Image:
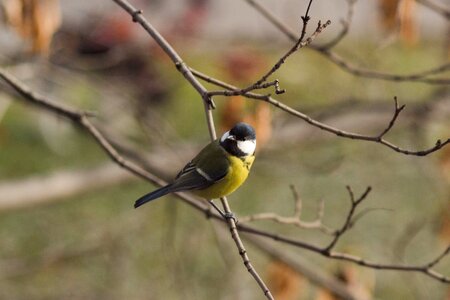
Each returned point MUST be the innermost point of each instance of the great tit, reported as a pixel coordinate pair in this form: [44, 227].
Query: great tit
[218, 170]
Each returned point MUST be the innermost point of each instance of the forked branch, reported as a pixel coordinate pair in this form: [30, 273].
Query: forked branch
[349, 221]
[81, 119]
[295, 219]
[208, 104]
[300, 43]
[231, 90]
[423, 76]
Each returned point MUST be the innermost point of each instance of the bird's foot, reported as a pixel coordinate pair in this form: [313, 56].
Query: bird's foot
[225, 215]
[230, 215]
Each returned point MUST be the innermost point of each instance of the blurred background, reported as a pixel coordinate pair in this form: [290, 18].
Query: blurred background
[68, 229]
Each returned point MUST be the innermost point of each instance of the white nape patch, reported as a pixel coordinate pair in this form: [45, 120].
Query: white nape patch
[224, 136]
[247, 147]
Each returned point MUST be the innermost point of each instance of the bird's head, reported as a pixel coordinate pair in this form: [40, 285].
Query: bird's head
[240, 140]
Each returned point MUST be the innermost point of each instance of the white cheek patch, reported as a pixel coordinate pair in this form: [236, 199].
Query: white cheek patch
[247, 147]
[224, 136]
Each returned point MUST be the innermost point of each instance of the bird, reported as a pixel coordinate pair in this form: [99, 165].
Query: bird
[218, 169]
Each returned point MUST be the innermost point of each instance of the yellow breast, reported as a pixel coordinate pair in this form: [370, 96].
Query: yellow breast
[237, 174]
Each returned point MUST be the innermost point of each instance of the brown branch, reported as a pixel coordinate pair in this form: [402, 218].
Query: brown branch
[425, 269]
[397, 111]
[438, 258]
[80, 118]
[341, 133]
[208, 106]
[300, 43]
[349, 220]
[259, 84]
[295, 219]
[345, 27]
[367, 73]
[348, 67]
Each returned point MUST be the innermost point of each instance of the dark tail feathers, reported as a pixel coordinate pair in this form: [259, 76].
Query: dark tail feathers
[153, 195]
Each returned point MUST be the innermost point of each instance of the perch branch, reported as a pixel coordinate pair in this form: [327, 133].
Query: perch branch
[230, 89]
[182, 67]
[80, 118]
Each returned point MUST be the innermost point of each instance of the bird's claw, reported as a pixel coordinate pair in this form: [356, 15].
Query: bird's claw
[225, 215]
[230, 215]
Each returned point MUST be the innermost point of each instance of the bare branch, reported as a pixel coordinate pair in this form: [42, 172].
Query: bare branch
[345, 27]
[298, 45]
[348, 222]
[295, 219]
[349, 258]
[232, 90]
[348, 67]
[259, 84]
[397, 111]
[80, 118]
[367, 73]
[439, 258]
[208, 106]
[181, 66]
[77, 116]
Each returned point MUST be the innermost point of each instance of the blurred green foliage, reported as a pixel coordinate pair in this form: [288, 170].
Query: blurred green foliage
[96, 246]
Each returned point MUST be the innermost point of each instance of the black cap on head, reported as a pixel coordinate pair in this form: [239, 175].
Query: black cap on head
[240, 140]
[243, 132]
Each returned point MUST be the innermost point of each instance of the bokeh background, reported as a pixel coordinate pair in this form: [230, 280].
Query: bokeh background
[68, 229]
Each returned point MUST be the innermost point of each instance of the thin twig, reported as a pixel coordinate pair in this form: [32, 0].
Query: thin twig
[341, 133]
[347, 257]
[345, 27]
[76, 116]
[345, 65]
[298, 45]
[138, 17]
[348, 221]
[397, 111]
[259, 84]
[295, 219]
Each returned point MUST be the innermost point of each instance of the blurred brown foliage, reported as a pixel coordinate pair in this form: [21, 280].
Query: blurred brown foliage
[360, 286]
[400, 15]
[245, 65]
[284, 282]
[34, 20]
